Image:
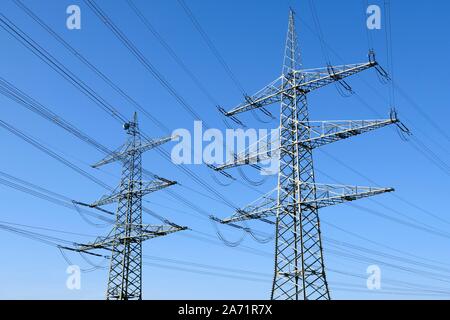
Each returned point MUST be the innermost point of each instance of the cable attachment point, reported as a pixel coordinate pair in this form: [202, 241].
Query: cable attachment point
[224, 112]
[393, 114]
[383, 74]
[341, 84]
[257, 105]
[404, 131]
[331, 72]
[371, 56]
[229, 176]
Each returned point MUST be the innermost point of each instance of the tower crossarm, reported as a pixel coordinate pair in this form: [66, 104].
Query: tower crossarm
[125, 151]
[266, 96]
[259, 151]
[260, 213]
[325, 132]
[260, 208]
[137, 233]
[145, 188]
[303, 81]
[312, 79]
[245, 159]
[331, 194]
[321, 133]
[326, 195]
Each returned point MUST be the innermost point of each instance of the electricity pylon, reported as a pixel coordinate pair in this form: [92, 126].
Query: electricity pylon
[125, 239]
[299, 265]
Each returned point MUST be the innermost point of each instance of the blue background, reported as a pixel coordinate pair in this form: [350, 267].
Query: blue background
[250, 35]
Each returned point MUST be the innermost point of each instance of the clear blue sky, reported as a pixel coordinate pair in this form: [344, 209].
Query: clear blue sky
[250, 36]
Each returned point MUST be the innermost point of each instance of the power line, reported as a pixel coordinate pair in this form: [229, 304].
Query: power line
[417, 107]
[90, 65]
[47, 195]
[140, 57]
[389, 54]
[171, 52]
[255, 276]
[382, 245]
[398, 258]
[47, 229]
[374, 90]
[52, 154]
[211, 45]
[23, 99]
[12, 92]
[221, 60]
[49, 240]
[52, 62]
[364, 259]
[414, 286]
[416, 223]
[395, 195]
[69, 164]
[56, 242]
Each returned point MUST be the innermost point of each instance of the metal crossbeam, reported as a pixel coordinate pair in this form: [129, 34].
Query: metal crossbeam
[138, 233]
[325, 132]
[300, 81]
[326, 195]
[127, 150]
[247, 159]
[146, 188]
[309, 80]
[321, 133]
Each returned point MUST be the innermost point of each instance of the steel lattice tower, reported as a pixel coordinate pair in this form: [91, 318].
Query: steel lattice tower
[299, 265]
[298, 241]
[125, 239]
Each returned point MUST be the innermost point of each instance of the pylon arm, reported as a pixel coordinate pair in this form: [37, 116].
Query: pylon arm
[257, 152]
[138, 233]
[242, 215]
[325, 132]
[312, 79]
[331, 194]
[120, 155]
[303, 81]
[248, 159]
[327, 195]
[321, 132]
[147, 187]
[266, 96]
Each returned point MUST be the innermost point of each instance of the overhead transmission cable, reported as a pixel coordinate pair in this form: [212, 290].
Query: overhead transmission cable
[426, 117]
[220, 59]
[211, 45]
[51, 61]
[90, 65]
[230, 272]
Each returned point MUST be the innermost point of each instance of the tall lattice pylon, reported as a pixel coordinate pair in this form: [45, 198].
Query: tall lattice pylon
[299, 264]
[125, 239]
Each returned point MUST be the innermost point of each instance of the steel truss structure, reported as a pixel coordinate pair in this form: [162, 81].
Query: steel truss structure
[299, 265]
[125, 239]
